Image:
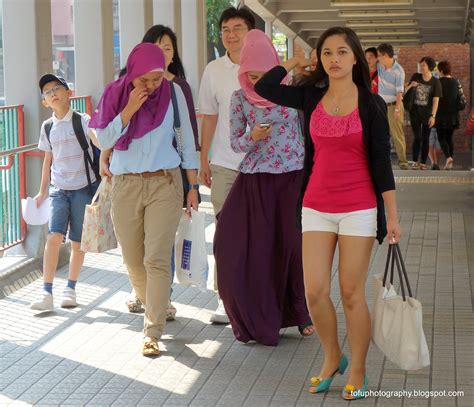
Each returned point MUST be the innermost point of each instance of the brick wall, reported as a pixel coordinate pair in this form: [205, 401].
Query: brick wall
[459, 57]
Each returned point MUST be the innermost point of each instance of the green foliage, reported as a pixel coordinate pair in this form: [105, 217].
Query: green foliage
[214, 9]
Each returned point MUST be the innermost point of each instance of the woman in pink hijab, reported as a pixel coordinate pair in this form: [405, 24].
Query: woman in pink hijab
[135, 118]
[257, 245]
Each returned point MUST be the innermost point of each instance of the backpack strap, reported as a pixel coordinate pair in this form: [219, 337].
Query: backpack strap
[177, 124]
[48, 125]
[82, 140]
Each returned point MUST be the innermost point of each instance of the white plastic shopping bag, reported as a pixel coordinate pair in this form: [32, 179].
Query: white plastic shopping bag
[190, 250]
[397, 323]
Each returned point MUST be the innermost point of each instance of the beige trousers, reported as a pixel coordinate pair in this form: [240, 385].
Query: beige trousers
[146, 213]
[222, 181]
[397, 133]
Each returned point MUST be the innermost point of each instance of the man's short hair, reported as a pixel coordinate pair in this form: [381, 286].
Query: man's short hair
[445, 67]
[239, 12]
[429, 61]
[386, 48]
[371, 50]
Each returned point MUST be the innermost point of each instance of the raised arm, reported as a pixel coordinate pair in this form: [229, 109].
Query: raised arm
[270, 87]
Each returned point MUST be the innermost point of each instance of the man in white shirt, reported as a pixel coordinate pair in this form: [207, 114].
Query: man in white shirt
[218, 83]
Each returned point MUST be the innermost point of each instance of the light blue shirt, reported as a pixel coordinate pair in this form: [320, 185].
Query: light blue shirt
[154, 151]
[391, 81]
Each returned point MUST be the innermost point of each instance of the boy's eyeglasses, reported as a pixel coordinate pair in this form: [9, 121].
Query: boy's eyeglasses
[52, 91]
[235, 30]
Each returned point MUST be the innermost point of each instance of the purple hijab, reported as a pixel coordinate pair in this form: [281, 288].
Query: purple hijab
[144, 58]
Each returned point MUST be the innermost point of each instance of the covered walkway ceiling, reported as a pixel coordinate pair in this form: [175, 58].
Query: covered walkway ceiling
[400, 22]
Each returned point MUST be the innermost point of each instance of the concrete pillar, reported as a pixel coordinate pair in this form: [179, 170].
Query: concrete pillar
[135, 18]
[269, 28]
[168, 12]
[194, 41]
[291, 47]
[94, 48]
[26, 56]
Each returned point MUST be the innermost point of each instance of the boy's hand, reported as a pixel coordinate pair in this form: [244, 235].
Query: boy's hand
[137, 97]
[40, 198]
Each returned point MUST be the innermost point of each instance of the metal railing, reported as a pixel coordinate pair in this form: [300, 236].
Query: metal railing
[12, 169]
[82, 104]
[12, 176]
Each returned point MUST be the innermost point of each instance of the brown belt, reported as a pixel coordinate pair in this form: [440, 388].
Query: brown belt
[148, 174]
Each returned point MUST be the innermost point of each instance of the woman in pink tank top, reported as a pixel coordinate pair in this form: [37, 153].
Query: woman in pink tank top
[348, 181]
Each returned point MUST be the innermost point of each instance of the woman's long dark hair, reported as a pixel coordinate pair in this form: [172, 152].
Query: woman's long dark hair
[360, 71]
[154, 35]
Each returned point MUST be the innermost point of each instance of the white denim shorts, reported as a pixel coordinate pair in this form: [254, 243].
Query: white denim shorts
[358, 223]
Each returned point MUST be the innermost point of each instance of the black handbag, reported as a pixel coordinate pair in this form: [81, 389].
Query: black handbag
[409, 96]
[178, 136]
[409, 99]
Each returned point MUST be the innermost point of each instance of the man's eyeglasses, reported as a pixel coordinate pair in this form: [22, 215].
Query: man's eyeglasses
[235, 30]
[52, 91]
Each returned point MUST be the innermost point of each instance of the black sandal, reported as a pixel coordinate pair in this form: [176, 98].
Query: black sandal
[301, 328]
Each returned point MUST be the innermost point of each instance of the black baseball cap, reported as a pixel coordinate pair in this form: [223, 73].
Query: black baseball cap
[49, 77]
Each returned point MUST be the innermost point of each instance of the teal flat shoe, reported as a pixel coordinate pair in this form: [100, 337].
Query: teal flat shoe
[318, 384]
[351, 393]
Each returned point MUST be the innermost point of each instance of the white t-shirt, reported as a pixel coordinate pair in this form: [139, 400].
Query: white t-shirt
[219, 81]
[68, 171]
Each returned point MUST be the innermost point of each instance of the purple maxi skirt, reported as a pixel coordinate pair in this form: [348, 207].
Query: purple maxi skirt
[258, 250]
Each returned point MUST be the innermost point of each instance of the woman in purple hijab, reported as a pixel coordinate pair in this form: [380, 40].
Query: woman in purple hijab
[135, 117]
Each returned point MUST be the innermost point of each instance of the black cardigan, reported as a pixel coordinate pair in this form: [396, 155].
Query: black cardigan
[376, 132]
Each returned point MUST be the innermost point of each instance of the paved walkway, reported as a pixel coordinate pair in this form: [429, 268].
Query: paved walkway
[90, 355]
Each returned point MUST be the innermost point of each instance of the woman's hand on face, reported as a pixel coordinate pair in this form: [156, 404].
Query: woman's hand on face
[192, 200]
[137, 97]
[260, 133]
[394, 232]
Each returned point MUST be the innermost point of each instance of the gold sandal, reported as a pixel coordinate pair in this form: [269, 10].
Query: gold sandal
[150, 346]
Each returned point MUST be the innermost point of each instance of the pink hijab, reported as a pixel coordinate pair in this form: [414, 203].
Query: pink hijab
[144, 58]
[257, 54]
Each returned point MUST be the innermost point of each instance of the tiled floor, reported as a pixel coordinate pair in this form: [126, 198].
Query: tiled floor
[90, 355]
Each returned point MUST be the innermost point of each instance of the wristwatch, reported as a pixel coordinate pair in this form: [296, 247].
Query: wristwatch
[397, 110]
[433, 116]
[194, 186]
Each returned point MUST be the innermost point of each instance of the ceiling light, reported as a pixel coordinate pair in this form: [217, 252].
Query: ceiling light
[381, 23]
[377, 14]
[369, 3]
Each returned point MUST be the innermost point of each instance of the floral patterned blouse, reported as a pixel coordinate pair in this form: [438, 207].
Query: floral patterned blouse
[282, 151]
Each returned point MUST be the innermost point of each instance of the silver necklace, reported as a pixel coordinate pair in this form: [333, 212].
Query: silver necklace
[335, 110]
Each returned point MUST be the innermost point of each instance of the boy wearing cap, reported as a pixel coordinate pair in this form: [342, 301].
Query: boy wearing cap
[71, 186]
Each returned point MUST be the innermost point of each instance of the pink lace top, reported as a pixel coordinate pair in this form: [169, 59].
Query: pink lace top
[340, 180]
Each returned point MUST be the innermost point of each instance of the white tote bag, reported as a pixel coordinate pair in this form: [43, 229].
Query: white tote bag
[190, 250]
[397, 323]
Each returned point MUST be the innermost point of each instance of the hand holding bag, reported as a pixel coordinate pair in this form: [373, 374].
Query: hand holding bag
[98, 234]
[397, 324]
[190, 250]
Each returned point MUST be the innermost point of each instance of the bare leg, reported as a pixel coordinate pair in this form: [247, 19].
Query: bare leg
[76, 261]
[354, 258]
[51, 256]
[318, 253]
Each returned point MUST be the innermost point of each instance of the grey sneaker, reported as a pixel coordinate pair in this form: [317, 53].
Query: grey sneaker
[68, 299]
[220, 316]
[44, 302]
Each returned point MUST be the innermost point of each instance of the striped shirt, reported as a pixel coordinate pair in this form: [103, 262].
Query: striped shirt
[68, 171]
[391, 81]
